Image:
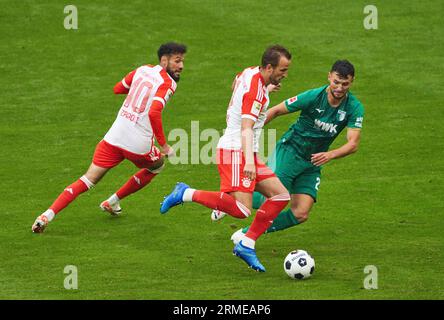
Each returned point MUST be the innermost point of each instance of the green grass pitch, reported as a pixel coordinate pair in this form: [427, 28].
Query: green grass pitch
[383, 206]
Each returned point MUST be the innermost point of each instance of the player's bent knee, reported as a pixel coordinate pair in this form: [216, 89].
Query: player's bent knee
[246, 211]
[157, 170]
[301, 216]
[157, 166]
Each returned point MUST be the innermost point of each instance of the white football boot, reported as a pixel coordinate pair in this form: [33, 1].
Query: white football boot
[217, 215]
[237, 236]
[113, 210]
[40, 224]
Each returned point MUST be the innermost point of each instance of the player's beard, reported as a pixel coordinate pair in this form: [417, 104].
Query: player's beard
[274, 81]
[339, 97]
[172, 75]
[335, 96]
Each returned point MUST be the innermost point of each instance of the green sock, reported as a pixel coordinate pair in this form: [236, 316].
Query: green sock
[258, 200]
[284, 220]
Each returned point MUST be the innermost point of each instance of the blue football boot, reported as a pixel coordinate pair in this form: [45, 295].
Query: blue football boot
[174, 198]
[249, 256]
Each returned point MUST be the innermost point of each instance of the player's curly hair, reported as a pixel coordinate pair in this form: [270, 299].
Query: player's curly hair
[171, 48]
[343, 68]
[273, 54]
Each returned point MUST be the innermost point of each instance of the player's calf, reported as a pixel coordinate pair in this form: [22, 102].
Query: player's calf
[68, 195]
[266, 214]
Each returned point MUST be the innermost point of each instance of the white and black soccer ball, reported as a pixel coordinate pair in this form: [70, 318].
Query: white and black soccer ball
[298, 264]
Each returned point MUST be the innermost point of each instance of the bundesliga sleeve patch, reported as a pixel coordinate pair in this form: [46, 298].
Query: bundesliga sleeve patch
[168, 95]
[292, 100]
[256, 108]
[358, 122]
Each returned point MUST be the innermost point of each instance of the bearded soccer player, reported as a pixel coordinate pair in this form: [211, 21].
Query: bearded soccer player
[303, 149]
[132, 134]
[240, 169]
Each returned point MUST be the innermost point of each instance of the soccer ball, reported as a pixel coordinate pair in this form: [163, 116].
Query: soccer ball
[298, 264]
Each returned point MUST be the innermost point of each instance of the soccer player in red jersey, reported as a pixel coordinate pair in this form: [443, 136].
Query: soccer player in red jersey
[240, 169]
[132, 134]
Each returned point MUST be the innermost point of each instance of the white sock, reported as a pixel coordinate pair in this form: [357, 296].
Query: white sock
[188, 195]
[247, 242]
[49, 214]
[113, 199]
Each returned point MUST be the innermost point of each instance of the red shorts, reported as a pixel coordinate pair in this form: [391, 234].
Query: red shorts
[109, 156]
[230, 164]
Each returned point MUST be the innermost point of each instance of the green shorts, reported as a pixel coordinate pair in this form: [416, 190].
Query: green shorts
[296, 174]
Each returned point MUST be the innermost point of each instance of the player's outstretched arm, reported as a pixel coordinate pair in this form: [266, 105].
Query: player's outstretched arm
[276, 111]
[353, 137]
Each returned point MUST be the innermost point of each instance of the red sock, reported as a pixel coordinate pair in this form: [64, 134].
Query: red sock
[135, 183]
[69, 194]
[265, 215]
[221, 201]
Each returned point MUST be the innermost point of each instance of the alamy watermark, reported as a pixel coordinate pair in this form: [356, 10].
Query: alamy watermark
[200, 147]
[71, 281]
[371, 20]
[371, 280]
[71, 21]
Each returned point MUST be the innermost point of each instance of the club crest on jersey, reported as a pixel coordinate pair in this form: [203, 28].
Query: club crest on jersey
[246, 182]
[292, 100]
[341, 115]
[256, 108]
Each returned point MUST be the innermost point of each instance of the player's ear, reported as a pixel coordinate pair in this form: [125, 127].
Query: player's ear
[269, 68]
[164, 61]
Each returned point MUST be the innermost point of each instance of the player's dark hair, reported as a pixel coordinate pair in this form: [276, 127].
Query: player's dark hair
[343, 68]
[273, 54]
[171, 48]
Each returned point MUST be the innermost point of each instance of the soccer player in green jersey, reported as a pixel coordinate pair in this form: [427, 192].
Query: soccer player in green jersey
[303, 149]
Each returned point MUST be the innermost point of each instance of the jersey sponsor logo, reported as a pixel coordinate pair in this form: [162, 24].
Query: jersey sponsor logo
[324, 126]
[256, 108]
[341, 115]
[292, 100]
[358, 122]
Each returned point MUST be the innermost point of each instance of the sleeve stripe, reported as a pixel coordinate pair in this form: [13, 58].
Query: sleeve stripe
[249, 116]
[124, 83]
[259, 91]
[161, 100]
